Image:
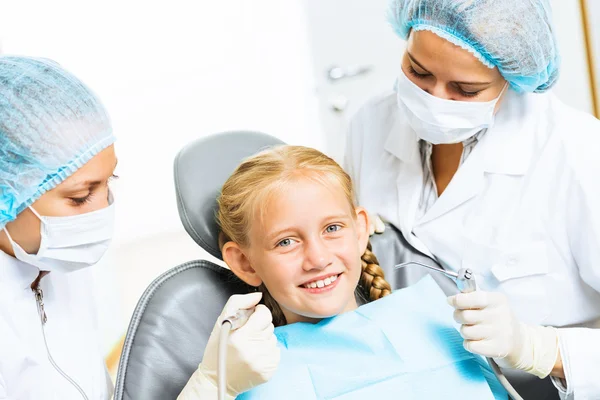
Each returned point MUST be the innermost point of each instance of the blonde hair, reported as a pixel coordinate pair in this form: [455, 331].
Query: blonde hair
[264, 174]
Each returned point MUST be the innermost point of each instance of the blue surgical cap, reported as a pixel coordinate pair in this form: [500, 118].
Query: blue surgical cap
[514, 35]
[51, 124]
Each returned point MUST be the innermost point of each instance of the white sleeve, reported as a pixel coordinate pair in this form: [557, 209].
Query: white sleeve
[3, 395]
[581, 362]
[580, 347]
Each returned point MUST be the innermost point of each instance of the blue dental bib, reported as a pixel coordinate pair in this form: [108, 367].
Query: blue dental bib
[405, 345]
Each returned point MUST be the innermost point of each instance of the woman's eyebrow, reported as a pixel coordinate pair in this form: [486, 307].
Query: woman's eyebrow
[473, 83]
[89, 184]
[457, 82]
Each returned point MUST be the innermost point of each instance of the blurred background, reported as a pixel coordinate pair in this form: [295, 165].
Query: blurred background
[171, 72]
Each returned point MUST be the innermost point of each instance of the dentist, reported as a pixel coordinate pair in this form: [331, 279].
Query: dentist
[56, 220]
[480, 166]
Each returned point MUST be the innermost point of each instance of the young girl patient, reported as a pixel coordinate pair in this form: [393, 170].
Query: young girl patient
[291, 229]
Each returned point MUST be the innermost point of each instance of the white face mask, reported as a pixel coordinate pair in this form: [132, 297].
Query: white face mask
[440, 121]
[70, 243]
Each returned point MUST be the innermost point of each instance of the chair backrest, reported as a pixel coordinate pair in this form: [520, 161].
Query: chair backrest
[175, 316]
[170, 328]
[201, 168]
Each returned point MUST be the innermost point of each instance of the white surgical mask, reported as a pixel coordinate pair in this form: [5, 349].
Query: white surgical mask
[70, 243]
[440, 121]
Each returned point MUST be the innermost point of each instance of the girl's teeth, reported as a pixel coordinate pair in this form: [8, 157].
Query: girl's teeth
[321, 283]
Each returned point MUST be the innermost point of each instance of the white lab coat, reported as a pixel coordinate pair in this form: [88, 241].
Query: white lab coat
[72, 336]
[523, 211]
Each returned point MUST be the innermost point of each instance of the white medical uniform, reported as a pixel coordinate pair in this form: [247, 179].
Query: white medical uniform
[523, 211]
[26, 373]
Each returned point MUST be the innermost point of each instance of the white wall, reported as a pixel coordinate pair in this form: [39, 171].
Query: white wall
[169, 72]
[593, 8]
[573, 87]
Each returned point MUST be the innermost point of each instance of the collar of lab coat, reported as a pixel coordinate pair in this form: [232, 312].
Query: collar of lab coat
[15, 274]
[508, 145]
[402, 141]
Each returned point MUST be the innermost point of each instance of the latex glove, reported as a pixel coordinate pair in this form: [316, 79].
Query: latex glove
[376, 225]
[490, 329]
[252, 353]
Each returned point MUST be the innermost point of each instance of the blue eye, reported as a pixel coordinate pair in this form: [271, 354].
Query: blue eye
[284, 243]
[333, 228]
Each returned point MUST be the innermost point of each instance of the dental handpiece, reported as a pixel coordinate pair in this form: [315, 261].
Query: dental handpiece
[464, 278]
[230, 323]
[465, 281]
[238, 318]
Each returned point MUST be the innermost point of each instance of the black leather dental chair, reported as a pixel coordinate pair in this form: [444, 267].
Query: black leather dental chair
[172, 322]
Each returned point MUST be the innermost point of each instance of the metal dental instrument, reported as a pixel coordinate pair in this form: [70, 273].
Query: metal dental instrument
[465, 281]
[229, 324]
[464, 278]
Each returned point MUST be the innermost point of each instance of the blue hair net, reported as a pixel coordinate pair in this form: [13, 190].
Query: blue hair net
[514, 35]
[51, 124]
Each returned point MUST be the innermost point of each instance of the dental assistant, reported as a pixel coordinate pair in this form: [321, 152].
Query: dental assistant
[481, 166]
[56, 220]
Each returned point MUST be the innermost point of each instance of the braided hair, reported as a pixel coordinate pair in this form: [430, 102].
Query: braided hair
[372, 280]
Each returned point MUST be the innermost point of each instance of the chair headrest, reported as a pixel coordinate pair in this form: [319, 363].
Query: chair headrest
[201, 169]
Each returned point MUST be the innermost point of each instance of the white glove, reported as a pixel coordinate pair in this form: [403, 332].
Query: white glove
[491, 330]
[376, 225]
[252, 353]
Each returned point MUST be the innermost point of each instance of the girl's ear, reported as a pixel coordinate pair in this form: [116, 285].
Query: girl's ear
[362, 227]
[238, 262]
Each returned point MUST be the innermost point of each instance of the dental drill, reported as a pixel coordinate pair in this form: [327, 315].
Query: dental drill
[465, 281]
[229, 324]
